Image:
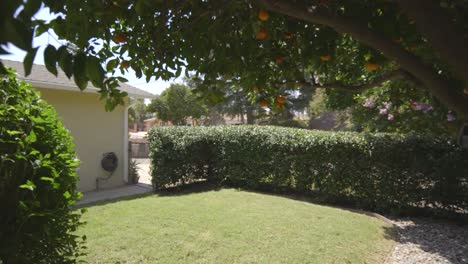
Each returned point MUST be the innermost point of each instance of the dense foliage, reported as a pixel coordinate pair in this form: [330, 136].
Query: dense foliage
[397, 107]
[37, 179]
[350, 45]
[137, 112]
[391, 107]
[225, 99]
[176, 104]
[378, 171]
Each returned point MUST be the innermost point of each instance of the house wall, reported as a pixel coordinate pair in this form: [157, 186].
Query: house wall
[95, 132]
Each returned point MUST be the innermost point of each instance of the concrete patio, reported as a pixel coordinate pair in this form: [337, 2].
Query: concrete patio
[126, 191]
[121, 192]
[144, 170]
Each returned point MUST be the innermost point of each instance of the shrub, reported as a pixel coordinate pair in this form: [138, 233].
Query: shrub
[133, 171]
[38, 180]
[384, 172]
[289, 123]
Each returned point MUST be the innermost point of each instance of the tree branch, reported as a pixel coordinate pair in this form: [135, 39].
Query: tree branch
[392, 75]
[432, 81]
[444, 35]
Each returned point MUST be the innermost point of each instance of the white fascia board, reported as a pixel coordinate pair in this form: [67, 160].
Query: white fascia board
[60, 86]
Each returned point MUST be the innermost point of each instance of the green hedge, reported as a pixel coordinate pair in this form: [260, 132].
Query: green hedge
[37, 180]
[377, 171]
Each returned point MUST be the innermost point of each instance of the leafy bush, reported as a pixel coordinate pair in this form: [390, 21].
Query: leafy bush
[289, 123]
[133, 171]
[394, 107]
[384, 172]
[37, 180]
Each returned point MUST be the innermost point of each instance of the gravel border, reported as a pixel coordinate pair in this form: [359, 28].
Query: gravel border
[427, 241]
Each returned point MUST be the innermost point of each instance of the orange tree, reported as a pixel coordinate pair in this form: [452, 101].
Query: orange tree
[350, 45]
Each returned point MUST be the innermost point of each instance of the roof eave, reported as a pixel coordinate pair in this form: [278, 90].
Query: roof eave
[72, 88]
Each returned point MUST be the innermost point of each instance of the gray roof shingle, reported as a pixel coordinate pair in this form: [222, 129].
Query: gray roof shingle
[40, 74]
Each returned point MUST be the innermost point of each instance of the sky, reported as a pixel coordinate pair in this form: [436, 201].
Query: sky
[154, 86]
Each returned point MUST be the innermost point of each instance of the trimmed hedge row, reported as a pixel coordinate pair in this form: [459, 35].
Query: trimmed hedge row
[383, 172]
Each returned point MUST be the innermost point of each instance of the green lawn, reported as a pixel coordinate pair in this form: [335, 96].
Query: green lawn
[231, 226]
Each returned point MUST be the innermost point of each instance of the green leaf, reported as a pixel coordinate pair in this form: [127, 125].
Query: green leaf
[28, 185]
[65, 61]
[50, 59]
[140, 7]
[79, 71]
[14, 132]
[122, 79]
[179, 70]
[3, 52]
[31, 138]
[67, 195]
[2, 68]
[112, 64]
[41, 27]
[31, 7]
[138, 72]
[49, 179]
[37, 120]
[34, 152]
[95, 72]
[28, 61]
[17, 33]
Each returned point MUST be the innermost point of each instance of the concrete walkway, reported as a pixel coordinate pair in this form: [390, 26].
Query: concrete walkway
[144, 170]
[126, 191]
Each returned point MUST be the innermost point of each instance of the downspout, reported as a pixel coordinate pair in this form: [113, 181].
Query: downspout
[125, 142]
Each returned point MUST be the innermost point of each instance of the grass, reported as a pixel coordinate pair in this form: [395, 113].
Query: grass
[231, 226]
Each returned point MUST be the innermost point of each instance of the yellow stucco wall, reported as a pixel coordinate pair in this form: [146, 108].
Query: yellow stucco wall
[95, 132]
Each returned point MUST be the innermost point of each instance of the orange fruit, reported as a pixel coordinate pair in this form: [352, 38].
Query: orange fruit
[264, 103]
[372, 66]
[281, 100]
[278, 60]
[262, 33]
[263, 15]
[325, 57]
[120, 38]
[288, 36]
[124, 64]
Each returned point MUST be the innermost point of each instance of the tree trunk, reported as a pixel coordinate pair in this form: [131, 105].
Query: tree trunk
[242, 117]
[444, 35]
[250, 116]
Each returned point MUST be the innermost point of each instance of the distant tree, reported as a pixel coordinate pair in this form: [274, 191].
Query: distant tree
[176, 104]
[225, 97]
[391, 107]
[137, 112]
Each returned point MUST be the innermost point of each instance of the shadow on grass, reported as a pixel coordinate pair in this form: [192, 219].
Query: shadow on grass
[446, 239]
[185, 189]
